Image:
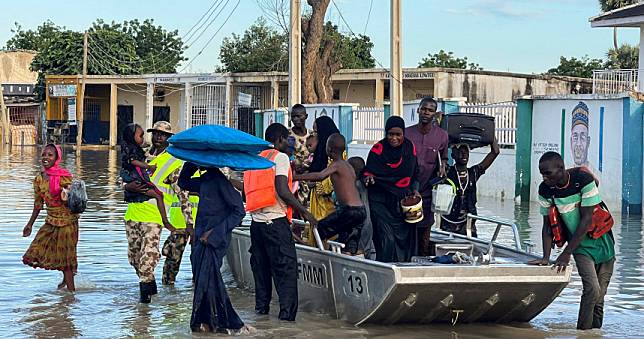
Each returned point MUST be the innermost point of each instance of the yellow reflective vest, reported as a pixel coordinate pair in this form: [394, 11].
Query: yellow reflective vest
[147, 211]
[176, 215]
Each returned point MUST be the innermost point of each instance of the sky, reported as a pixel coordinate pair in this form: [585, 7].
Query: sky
[523, 36]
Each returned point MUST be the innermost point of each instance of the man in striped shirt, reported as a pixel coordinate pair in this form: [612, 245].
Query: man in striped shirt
[575, 194]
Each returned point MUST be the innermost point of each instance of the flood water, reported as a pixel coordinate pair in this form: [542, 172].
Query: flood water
[106, 302]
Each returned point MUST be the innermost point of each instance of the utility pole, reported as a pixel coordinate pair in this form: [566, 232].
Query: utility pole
[295, 55]
[81, 103]
[396, 74]
[6, 125]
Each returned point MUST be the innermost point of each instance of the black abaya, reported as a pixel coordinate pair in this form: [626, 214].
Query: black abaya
[220, 210]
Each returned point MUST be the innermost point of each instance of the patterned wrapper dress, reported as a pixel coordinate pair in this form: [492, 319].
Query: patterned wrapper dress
[54, 247]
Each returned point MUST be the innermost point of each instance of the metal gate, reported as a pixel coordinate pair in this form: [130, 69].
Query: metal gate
[208, 105]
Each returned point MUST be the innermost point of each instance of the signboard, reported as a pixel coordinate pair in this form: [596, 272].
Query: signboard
[62, 90]
[71, 111]
[411, 75]
[244, 99]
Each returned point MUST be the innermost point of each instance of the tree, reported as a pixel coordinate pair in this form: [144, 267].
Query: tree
[263, 48]
[609, 5]
[582, 68]
[128, 48]
[260, 49]
[625, 57]
[447, 60]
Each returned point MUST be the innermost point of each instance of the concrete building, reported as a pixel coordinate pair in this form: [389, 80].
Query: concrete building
[231, 98]
[18, 84]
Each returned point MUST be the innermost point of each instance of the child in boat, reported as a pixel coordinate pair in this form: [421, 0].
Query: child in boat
[135, 169]
[350, 213]
[366, 233]
[311, 144]
[54, 247]
[464, 179]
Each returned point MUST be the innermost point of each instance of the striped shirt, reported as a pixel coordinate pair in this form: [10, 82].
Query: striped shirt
[581, 191]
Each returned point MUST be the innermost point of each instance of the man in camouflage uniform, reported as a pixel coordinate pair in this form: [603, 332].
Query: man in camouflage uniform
[142, 220]
[175, 245]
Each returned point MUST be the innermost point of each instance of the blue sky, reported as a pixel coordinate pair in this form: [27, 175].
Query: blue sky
[519, 36]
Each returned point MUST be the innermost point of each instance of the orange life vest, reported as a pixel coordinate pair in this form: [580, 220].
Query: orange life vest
[259, 186]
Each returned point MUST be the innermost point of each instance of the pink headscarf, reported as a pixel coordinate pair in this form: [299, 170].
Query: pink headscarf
[55, 172]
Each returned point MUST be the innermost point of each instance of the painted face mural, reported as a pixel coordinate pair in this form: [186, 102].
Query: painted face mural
[579, 138]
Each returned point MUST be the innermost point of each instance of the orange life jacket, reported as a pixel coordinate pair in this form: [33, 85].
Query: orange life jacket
[259, 186]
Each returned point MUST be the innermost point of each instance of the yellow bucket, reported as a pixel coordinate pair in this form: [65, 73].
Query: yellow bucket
[412, 207]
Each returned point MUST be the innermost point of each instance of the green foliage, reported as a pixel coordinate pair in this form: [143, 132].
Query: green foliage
[582, 68]
[353, 52]
[625, 57]
[262, 48]
[447, 60]
[132, 47]
[609, 5]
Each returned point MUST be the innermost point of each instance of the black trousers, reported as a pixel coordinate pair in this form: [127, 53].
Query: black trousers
[273, 259]
[346, 222]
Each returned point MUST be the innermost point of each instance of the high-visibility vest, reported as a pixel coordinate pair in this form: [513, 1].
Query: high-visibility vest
[259, 186]
[176, 215]
[148, 211]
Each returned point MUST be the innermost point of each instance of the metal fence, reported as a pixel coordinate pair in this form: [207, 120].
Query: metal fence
[208, 105]
[368, 124]
[614, 81]
[25, 123]
[505, 119]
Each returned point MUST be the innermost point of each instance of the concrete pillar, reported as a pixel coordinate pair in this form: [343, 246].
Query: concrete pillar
[275, 94]
[230, 102]
[149, 109]
[396, 76]
[295, 55]
[185, 119]
[640, 78]
[523, 149]
[380, 92]
[113, 114]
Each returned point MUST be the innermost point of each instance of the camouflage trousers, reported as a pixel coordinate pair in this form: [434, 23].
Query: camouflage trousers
[143, 248]
[173, 252]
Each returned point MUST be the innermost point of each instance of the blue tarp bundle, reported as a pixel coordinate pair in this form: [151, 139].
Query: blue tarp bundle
[219, 146]
[220, 138]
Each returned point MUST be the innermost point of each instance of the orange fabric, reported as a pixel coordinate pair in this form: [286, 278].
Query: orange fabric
[259, 186]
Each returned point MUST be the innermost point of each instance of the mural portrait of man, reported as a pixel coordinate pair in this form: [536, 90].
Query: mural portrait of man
[579, 137]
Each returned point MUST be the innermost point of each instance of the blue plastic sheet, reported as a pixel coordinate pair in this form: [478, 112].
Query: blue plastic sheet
[236, 160]
[216, 137]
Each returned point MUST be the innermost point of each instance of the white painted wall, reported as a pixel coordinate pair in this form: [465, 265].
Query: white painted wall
[546, 135]
[499, 180]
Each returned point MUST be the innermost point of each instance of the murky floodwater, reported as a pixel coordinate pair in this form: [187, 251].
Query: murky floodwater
[106, 303]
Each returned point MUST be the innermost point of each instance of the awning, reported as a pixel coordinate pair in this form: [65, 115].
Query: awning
[627, 16]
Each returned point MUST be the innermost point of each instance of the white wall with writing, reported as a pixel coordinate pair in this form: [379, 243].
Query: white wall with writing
[551, 118]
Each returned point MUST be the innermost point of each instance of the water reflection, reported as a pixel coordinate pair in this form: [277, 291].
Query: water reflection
[106, 303]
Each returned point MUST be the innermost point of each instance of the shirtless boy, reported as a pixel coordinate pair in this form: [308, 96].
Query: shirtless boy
[350, 213]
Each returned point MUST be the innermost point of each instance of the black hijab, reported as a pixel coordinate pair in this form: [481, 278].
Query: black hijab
[325, 127]
[394, 168]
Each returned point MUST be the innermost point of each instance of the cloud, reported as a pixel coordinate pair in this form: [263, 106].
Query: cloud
[498, 9]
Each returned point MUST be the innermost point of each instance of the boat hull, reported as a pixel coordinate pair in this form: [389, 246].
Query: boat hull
[363, 291]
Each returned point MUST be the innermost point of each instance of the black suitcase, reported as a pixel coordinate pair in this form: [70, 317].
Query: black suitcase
[474, 129]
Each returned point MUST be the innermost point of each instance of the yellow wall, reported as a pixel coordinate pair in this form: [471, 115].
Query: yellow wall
[134, 95]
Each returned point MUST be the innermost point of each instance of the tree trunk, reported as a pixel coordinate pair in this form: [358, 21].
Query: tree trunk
[313, 30]
[615, 38]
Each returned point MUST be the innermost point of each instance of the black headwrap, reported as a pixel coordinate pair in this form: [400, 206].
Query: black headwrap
[394, 168]
[325, 127]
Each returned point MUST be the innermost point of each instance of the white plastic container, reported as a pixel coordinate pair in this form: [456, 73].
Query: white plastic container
[443, 198]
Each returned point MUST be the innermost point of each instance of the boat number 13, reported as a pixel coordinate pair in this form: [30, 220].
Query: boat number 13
[355, 284]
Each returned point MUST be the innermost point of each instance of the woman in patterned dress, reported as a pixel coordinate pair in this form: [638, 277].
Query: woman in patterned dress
[54, 247]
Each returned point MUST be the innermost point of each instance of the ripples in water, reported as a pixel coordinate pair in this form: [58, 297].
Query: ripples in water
[105, 304]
